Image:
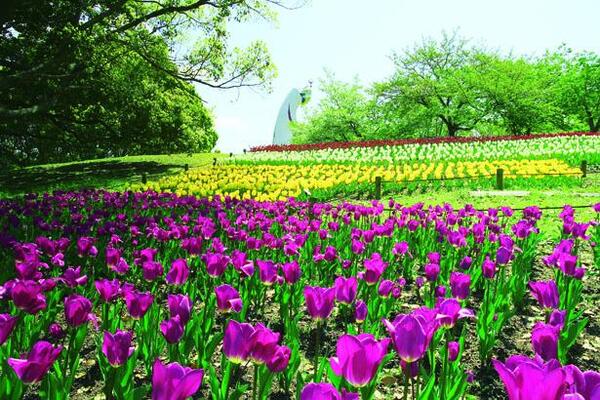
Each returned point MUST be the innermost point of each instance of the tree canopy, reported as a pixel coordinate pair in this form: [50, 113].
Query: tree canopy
[83, 79]
[449, 87]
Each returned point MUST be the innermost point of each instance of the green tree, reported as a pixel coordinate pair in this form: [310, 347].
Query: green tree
[344, 114]
[578, 86]
[98, 78]
[515, 92]
[432, 79]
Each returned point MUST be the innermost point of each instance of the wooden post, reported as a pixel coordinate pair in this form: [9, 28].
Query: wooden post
[144, 178]
[377, 187]
[584, 168]
[186, 167]
[214, 161]
[500, 179]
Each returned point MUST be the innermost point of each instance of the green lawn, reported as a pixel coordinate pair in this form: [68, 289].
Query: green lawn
[107, 173]
[586, 194]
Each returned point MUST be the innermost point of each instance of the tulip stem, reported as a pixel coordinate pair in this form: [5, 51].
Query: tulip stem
[405, 386]
[317, 348]
[255, 383]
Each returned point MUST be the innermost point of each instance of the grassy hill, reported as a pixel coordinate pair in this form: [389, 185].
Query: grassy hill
[107, 173]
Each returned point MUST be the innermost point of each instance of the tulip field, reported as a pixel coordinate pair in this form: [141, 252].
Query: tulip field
[137, 295]
[326, 172]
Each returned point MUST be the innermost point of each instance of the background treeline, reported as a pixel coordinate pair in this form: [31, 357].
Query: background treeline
[449, 87]
[99, 78]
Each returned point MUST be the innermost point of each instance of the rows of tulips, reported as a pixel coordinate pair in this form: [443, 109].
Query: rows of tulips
[278, 182]
[573, 149]
[175, 296]
[401, 142]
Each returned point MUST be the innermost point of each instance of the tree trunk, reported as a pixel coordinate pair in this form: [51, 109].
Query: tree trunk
[594, 126]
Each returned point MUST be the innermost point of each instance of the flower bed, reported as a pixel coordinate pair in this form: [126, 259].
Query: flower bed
[132, 294]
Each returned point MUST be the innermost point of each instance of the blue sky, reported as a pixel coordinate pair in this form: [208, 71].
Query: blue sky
[355, 38]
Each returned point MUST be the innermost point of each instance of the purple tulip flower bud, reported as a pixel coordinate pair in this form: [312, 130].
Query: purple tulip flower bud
[179, 272]
[228, 299]
[39, 360]
[7, 324]
[108, 290]
[360, 311]
[345, 289]
[460, 284]
[319, 301]
[291, 272]
[358, 358]
[545, 292]
[174, 381]
[453, 350]
[117, 347]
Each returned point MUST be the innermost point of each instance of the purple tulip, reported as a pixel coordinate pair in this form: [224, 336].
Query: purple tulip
[108, 290]
[410, 336]
[319, 301]
[400, 249]
[432, 271]
[557, 318]
[358, 358]
[192, 245]
[360, 311]
[291, 272]
[237, 341]
[267, 271]
[489, 268]
[85, 247]
[241, 264]
[504, 254]
[465, 263]
[449, 311]
[264, 344]
[460, 284]
[39, 360]
[357, 246]
[152, 270]
[172, 329]
[216, 263]
[374, 268]
[112, 256]
[137, 303]
[121, 267]
[181, 305]
[453, 350]
[525, 379]
[228, 299]
[178, 273]
[440, 292]
[544, 340]
[72, 277]
[385, 288]
[174, 381]
[345, 289]
[146, 255]
[117, 347]
[78, 310]
[545, 292]
[325, 391]
[27, 296]
[584, 384]
[7, 324]
[56, 331]
[280, 359]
